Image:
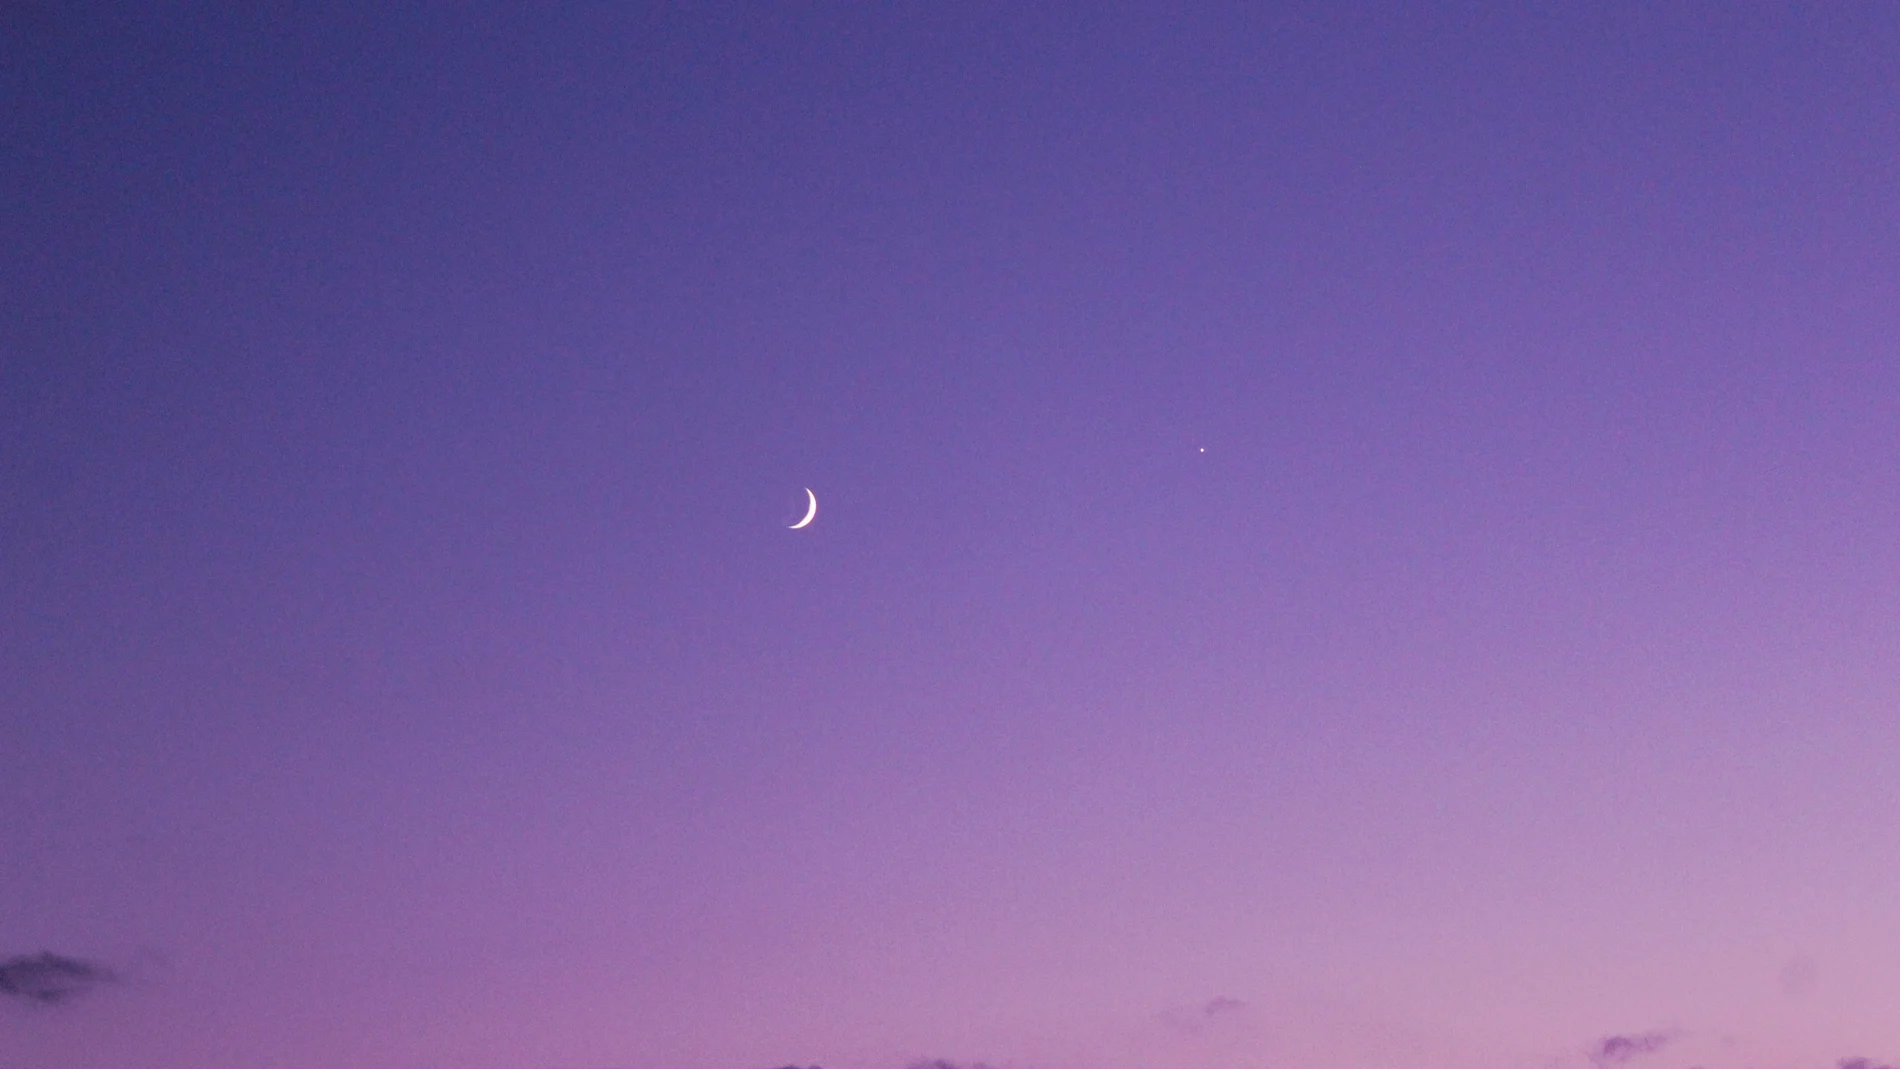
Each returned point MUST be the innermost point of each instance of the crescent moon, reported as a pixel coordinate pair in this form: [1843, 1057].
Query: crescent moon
[813, 511]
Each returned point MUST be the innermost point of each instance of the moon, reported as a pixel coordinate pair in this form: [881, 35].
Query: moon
[813, 511]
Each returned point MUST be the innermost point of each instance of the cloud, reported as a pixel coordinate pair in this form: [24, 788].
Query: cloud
[1861, 1063]
[47, 978]
[1220, 1011]
[1798, 977]
[939, 1063]
[1615, 1050]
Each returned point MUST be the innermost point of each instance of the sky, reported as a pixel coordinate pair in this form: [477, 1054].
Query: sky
[1348, 535]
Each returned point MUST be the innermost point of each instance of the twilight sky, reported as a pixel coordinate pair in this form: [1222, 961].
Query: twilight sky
[1349, 536]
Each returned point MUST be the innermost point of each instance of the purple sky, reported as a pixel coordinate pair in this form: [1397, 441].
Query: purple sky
[1348, 536]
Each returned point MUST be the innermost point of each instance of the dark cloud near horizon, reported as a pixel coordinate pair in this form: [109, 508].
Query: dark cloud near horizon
[929, 1063]
[1615, 1050]
[1861, 1063]
[47, 978]
[1218, 1011]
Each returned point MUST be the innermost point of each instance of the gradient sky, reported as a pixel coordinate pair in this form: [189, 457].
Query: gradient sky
[1349, 536]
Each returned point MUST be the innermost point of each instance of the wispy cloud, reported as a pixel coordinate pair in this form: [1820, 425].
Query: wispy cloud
[46, 978]
[1205, 1015]
[1615, 1050]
